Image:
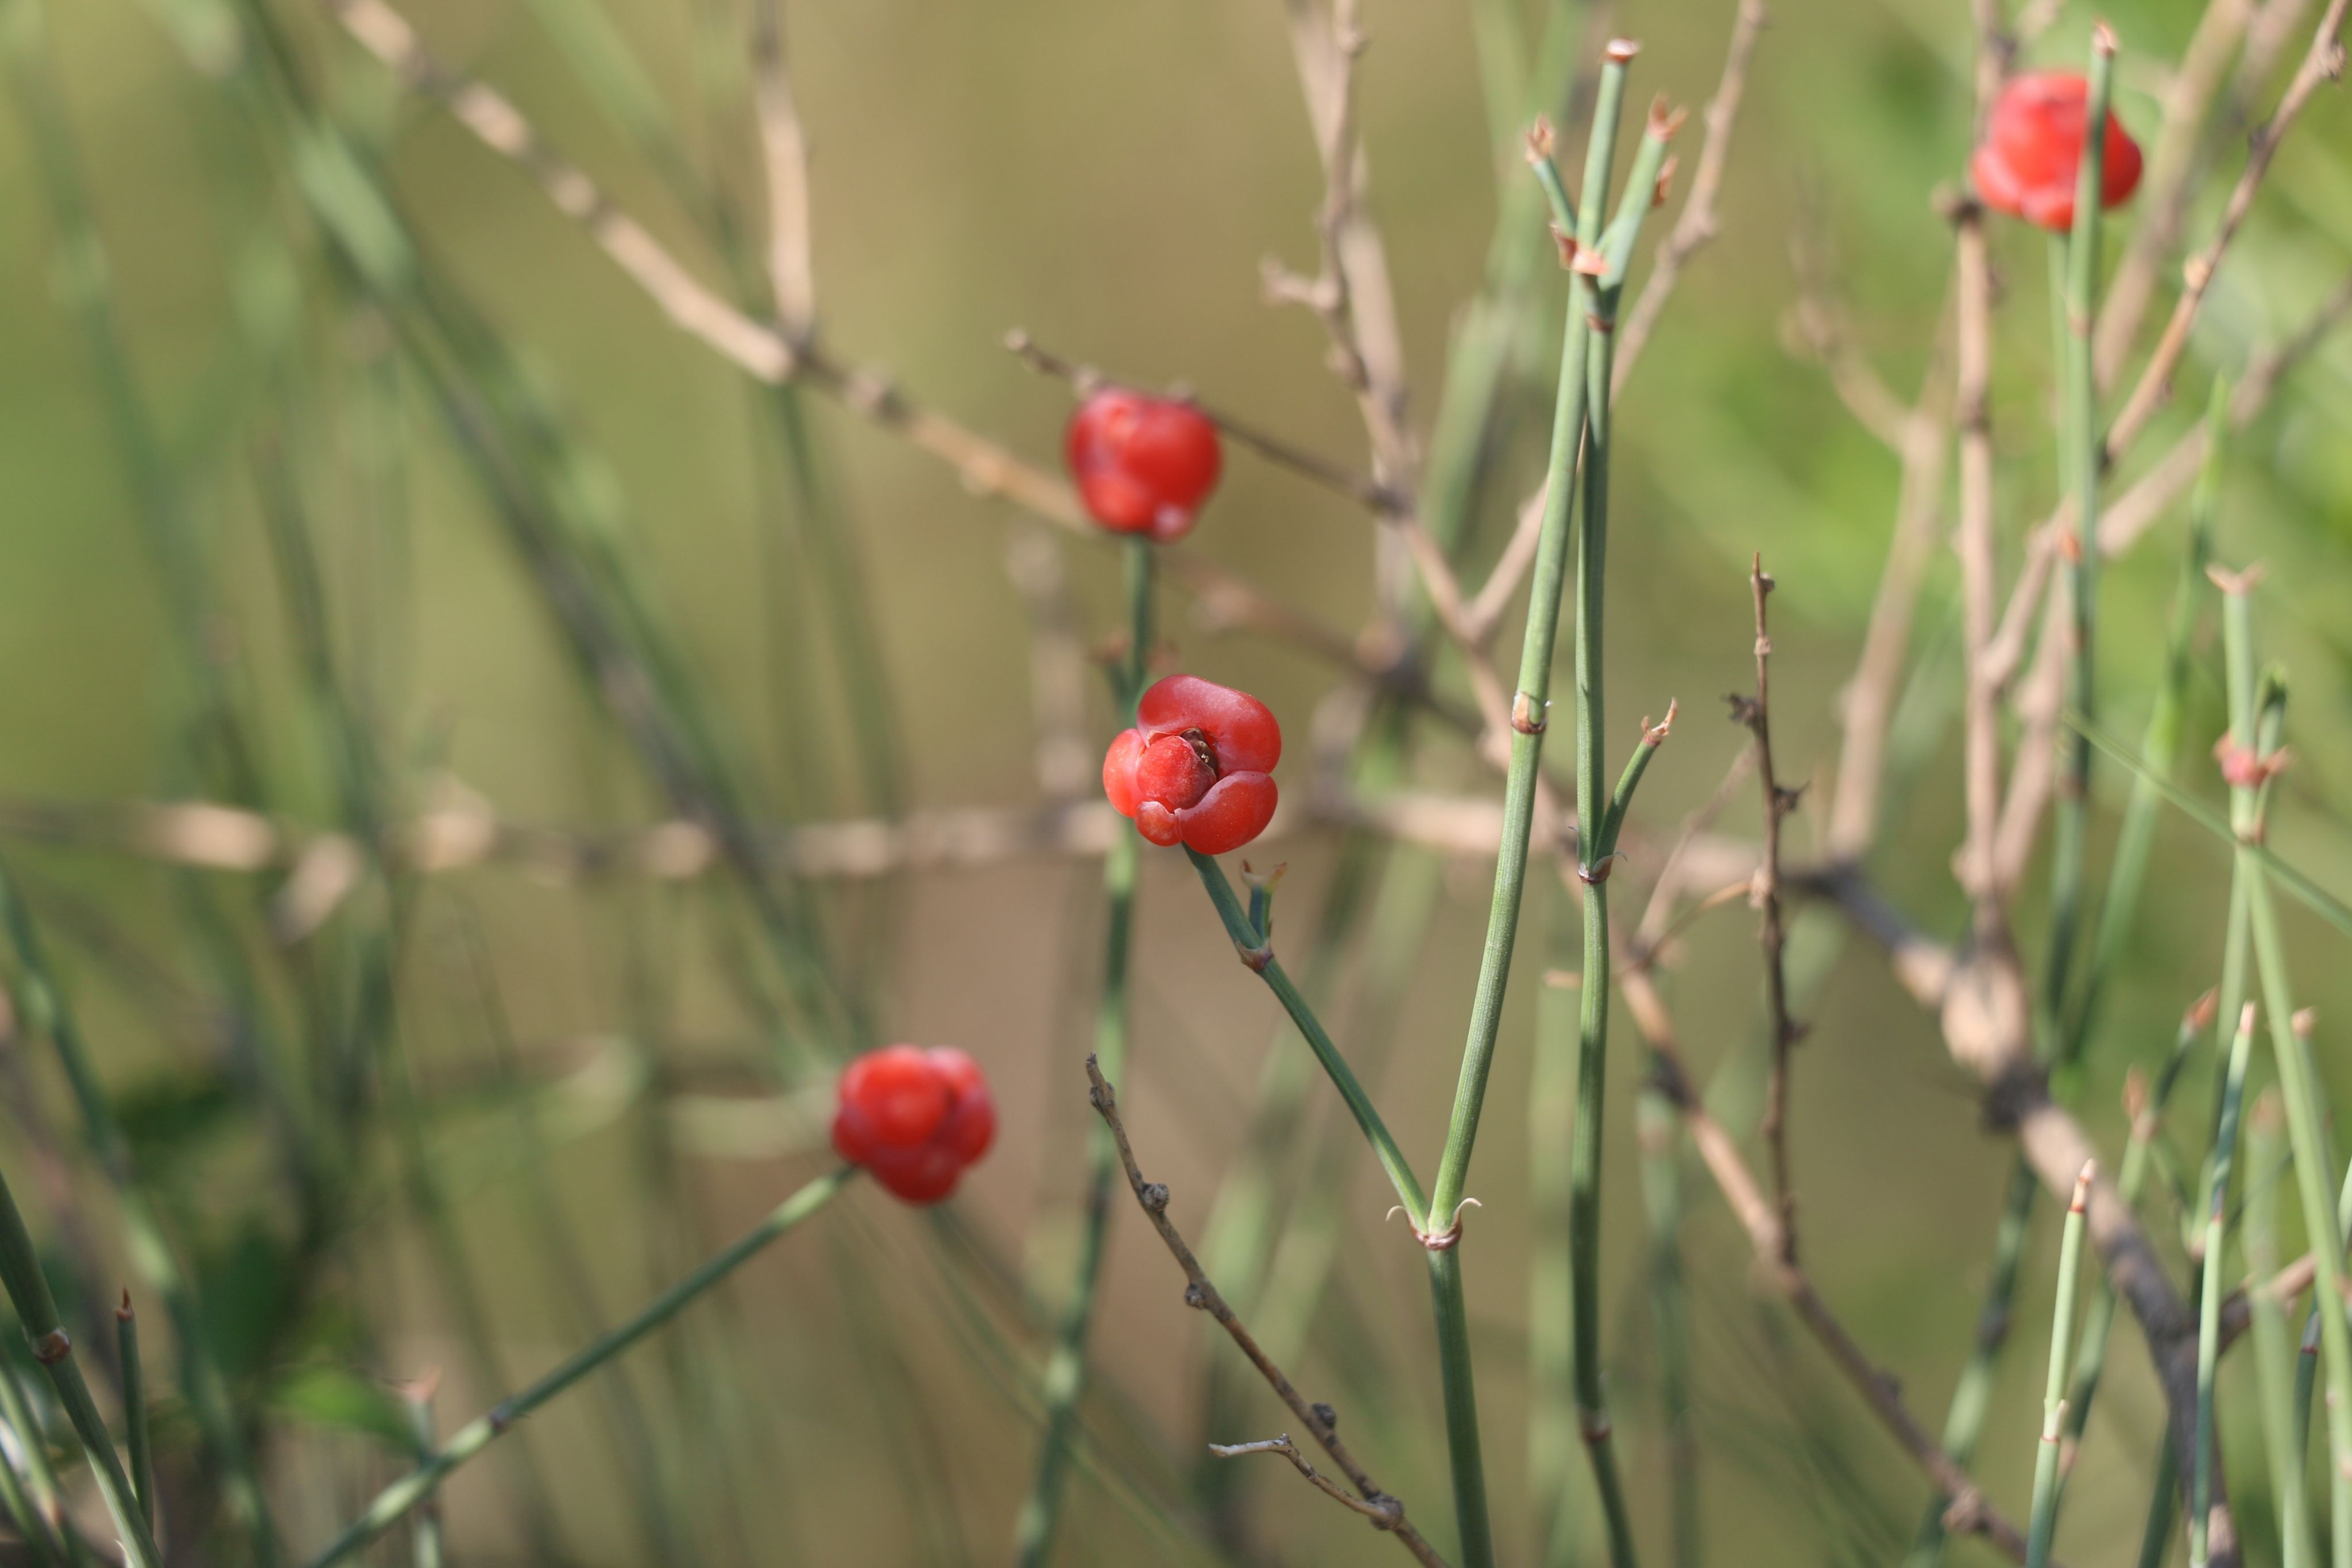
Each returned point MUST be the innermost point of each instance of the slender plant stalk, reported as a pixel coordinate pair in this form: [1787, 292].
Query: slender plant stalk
[138, 1439]
[32, 1528]
[1065, 1370]
[2156, 1533]
[40, 1479]
[425, 1543]
[1597, 821]
[2306, 1128]
[2273, 1352]
[2159, 744]
[36, 1309]
[43, 1003]
[396, 1499]
[2081, 466]
[2145, 1107]
[2054, 1396]
[1552, 1463]
[2211, 1272]
[1658, 1126]
[2063, 1032]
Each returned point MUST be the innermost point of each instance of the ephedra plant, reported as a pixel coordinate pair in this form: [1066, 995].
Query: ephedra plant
[310, 986]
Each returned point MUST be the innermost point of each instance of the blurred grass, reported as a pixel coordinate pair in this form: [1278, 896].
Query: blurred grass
[1107, 178]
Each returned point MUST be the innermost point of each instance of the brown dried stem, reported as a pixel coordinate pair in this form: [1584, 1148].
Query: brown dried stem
[1696, 224]
[1969, 1511]
[1772, 931]
[1320, 1420]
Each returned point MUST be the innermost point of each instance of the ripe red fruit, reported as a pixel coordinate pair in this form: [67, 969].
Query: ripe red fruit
[914, 1118]
[2032, 151]
[1143, 465]
[1195, 769]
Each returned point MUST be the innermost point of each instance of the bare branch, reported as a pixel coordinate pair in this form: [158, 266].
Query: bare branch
[1697, 222]
[1383, 1513]
[1320, 1420]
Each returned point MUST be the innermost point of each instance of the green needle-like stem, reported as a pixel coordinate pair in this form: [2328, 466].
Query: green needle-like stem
[1251, 945]
[2054, 1396]
[1066, 1369]
[397, 1498]
[2081, 466]
[2210, 1270]
[2274, 1345]
[36, 1309]
[138, 1439]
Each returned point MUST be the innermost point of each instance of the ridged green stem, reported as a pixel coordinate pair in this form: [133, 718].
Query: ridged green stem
[137, 1438]
[2307, 1127]
[2215, 1206]
[2080, 464]
[42, 1002]
[43, 1493]
[1658, 1125]
[36, 1309]
[2054, 1396]
[1251, 944]
[405, 1494]
[1552, 1463]
[2273, 1347]
[1065, 1370]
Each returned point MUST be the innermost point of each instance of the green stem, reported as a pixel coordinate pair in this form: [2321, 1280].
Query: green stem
[1552, 1464]
[1658, 1126]
[405, 1494]
[43, 1003]
[2210, 1271]
[1066, 1369]
[1596, 823]
[40, 1479]
[138, 1439]
[1248, 942]
[2273, 1353]
[2307, 1127]
[32, 1529]
[2081, 464]
[36, 1309]
[2053, 1398]
[2156, 1534]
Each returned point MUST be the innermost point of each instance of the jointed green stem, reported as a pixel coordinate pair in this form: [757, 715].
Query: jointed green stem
[2053, 1398]
[2209, 1331]
[1066, 1371]
[138, 1440]
[397, 1498]
[2081, 466]
[2306, 1128]
[36, 1309]
[1251, 944]
[2273, 1352]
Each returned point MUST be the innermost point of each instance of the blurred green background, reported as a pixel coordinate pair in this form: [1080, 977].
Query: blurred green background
[1108, 178]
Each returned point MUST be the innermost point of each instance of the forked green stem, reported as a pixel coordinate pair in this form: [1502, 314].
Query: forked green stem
[406, 1493]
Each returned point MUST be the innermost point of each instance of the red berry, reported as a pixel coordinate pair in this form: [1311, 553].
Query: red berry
[914, 1118]
[2032, 151]
[1195, 768]
[1143, 465]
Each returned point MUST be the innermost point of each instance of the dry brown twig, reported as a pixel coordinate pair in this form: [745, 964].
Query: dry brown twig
[1696, 224]
[768, 354]
[1321, 1421]
[783, 161]
[1756, 713]
[1969, 1512]
[2321, 62]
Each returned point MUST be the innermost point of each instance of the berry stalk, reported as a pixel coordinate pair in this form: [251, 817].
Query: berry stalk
[1065, 1370]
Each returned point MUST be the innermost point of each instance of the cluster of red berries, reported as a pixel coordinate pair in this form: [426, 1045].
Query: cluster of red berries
[2032, 151]
[914, 1118]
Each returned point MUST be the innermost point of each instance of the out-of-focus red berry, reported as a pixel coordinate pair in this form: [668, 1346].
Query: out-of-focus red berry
[914, 1118]
[2032, 151]
[1195, 768]
[1143, 465]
